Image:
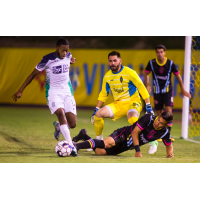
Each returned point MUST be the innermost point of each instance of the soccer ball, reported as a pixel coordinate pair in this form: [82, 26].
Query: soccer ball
[63, 149]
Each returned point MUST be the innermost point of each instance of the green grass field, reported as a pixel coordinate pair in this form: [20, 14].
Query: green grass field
[26, 136]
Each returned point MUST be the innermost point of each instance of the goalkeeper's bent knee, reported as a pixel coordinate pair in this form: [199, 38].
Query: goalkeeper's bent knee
[132, 120]
[98, 125]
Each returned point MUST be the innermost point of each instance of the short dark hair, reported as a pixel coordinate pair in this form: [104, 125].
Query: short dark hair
[160, 46]
[167, 116]
[114, 53]
[62, 41]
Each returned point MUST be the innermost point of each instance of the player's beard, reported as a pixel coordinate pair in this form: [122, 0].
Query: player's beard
[116, 68]
[161, 59]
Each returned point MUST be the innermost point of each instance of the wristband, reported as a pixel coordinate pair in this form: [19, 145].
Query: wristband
[137, 148]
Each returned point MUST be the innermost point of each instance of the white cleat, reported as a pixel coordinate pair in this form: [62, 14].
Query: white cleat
[90, 149]
[153, 147]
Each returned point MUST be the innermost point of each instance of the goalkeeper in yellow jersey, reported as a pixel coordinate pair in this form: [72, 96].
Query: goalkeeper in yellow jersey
[125, 85]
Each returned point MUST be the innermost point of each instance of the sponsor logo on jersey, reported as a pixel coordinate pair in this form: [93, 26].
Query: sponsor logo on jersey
[65, 68]
[57, 69]
[121, 79]
[162, 77]
[143, 139]
[118, 90]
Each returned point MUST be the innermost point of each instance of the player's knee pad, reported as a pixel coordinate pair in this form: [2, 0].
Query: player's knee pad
[132, 120]
[98, 125]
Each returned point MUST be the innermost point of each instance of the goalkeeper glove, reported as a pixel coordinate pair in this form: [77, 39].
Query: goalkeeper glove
[92, 117]
[149, 109]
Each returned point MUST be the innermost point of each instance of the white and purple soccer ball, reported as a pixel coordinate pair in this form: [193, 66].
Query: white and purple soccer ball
[63, 149]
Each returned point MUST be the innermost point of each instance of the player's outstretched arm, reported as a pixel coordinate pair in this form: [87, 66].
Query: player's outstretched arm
[184, 93]
[169, 150]
[18, 94]
[99, 105]
[73, 60]
[135, 136]
[146, 82]
[148, 106]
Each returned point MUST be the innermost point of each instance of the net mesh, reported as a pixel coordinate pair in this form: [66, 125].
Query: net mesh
[194, 115]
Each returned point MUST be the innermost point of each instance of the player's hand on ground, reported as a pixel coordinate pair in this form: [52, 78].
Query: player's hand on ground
[138, 154]
[73, 60]
[171, 155]
[149, 109]
[185, 93]
[16, 96]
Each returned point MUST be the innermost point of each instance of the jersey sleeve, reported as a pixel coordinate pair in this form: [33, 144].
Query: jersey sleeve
[136, 80]
[174, 69]
[69, 55]
[103, 95]
[144, 121]
[167, 139]
[42, 64]
[148, 68]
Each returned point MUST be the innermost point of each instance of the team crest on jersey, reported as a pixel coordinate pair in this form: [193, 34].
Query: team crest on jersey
[161, 70]
[121, 79]
[57, 69]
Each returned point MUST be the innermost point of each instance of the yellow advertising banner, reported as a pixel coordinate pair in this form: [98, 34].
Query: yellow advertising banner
[86, 74]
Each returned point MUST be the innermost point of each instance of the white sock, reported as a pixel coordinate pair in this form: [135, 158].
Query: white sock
[100, 137]
[66, 134]
[68, 126]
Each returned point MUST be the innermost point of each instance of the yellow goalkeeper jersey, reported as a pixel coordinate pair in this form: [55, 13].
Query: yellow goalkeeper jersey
[125, 86]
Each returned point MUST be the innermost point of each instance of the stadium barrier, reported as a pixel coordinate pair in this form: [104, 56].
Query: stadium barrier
[86, 74]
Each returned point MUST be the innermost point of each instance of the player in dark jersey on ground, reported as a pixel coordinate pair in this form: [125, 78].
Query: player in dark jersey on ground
[161, 68]
[148, 128]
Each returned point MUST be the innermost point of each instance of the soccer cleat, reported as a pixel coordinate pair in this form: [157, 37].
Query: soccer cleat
[81, 136]
[172, 139]
[153, 147]
[57, 130]
[159, 140]
[90, 149]
[74, 152]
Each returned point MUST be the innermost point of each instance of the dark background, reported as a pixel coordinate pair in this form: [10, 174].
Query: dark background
[96, 42]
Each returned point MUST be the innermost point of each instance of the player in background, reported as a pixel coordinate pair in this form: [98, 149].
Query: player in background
[162, 68]
[59, 92]
[125, 85]
[148, 128]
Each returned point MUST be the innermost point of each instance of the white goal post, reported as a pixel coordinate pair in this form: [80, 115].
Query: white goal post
[187, 66]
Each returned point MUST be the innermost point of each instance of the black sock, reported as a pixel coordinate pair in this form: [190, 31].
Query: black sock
[91, 143]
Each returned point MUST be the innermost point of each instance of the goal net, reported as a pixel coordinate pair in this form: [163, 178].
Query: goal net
[194, 111]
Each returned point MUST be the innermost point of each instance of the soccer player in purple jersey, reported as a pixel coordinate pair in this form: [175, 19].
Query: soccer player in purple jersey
[148, 128]
[162, 68]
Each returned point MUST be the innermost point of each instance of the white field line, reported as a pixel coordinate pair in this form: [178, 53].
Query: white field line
[192, 141]
[115, 157]
[187, 139]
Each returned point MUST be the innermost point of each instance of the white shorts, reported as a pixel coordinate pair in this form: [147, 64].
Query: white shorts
[56, 101]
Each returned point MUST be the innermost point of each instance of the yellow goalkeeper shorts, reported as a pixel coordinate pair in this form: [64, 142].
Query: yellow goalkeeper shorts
[121, 108]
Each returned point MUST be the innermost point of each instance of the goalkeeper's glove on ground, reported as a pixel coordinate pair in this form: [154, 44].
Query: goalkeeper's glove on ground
[149, 109]
[92, 117]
